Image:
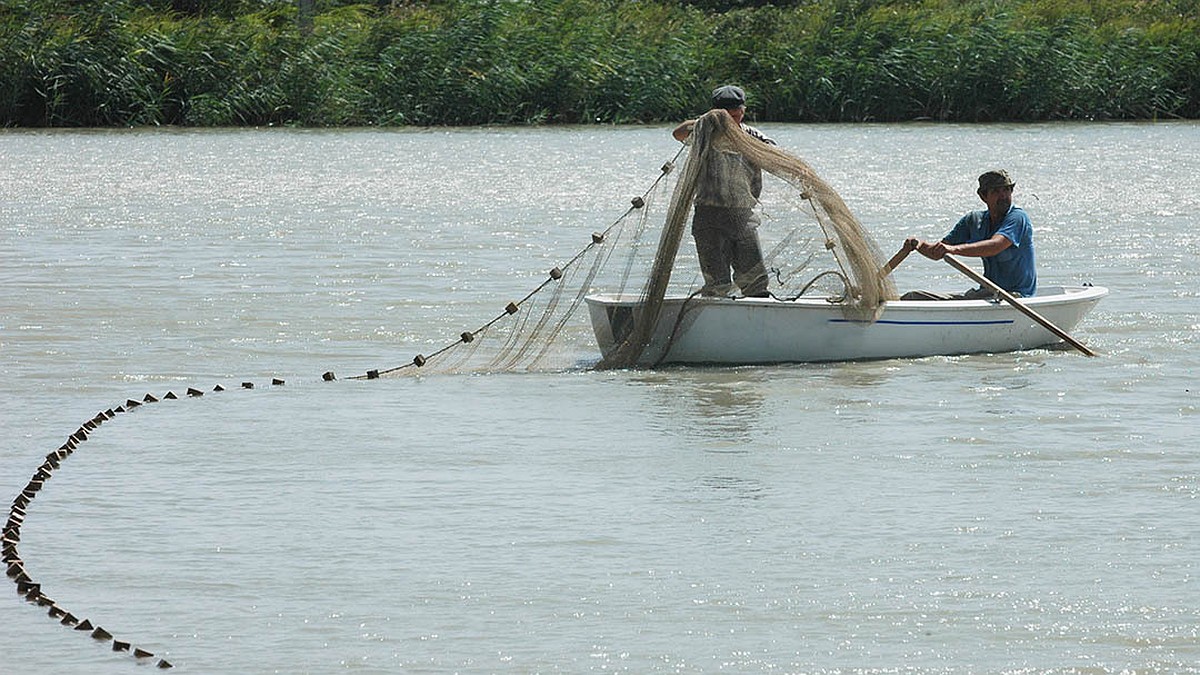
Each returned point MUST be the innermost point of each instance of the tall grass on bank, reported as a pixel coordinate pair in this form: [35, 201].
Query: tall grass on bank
[455, 62]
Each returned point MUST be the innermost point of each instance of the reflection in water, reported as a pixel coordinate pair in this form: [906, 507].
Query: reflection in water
[721, 407]
[864, 374]
[721, 412]
[734, 487]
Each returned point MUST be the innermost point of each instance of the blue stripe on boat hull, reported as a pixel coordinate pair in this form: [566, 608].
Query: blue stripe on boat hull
[927, 323]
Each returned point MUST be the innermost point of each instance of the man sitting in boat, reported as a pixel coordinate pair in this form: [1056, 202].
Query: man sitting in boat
[1001, 234]
[724, 224]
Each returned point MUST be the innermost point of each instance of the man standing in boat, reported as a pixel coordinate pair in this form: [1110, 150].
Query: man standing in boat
[1001, 234]
[724, 224]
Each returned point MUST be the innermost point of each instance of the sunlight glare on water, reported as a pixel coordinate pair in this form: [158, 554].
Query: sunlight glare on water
[1008, 513]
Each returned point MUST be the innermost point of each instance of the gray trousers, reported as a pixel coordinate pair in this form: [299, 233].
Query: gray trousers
[728, 239]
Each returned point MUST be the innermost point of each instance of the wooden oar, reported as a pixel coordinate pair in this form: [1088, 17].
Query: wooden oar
[896, 260]
[1010, 299]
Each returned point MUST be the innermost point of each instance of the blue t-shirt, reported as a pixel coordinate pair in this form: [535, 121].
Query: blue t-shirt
[1013, 268]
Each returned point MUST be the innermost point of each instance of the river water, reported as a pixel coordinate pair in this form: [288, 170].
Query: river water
[1010, 513]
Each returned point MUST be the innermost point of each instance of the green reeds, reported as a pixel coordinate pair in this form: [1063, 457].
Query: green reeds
[457, 62]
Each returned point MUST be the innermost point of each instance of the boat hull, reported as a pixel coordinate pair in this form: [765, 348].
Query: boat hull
[757, 331]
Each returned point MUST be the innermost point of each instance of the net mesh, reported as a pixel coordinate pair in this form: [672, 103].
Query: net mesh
[529, 334]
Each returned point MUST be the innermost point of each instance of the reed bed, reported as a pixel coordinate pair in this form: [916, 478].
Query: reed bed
[471, 62]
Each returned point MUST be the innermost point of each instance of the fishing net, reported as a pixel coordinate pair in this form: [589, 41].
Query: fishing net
[529, 333]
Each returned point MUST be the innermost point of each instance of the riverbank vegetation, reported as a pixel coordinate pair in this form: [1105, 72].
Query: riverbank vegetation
[465, 62]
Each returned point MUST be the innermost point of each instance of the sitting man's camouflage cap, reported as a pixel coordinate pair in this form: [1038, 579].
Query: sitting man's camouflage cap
[994, 179]
[728, 97]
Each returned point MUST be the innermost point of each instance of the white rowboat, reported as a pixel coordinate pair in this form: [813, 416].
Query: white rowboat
[725, 331]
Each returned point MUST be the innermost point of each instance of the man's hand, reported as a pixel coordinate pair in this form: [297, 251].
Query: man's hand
[935, 251]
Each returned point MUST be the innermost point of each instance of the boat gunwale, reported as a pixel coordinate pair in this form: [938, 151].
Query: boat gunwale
[1066, 295]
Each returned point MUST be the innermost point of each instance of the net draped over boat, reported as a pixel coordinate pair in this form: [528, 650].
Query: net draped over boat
[531, 330]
